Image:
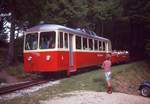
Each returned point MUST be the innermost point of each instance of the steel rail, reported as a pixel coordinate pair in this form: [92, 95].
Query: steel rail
[19, 86]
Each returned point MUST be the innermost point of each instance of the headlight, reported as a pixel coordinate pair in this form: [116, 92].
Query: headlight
[48, 58]
[29, 58]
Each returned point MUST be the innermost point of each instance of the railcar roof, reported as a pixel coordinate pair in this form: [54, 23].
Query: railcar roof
[52, 27]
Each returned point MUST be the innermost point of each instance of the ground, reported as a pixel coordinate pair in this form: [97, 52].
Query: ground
[7, 78]
[84, 87]
[90, 97]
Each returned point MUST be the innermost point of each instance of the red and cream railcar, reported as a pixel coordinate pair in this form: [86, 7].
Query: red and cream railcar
[52, 48]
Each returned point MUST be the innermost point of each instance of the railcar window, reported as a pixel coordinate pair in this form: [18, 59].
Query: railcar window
[66, 40]
[60, 40]
[31, 42]
[96, 45]
[47, 40]
[109, 46]
[100, 45]
[78, 42]
[90, 44]
[85, 43]
[104, 46]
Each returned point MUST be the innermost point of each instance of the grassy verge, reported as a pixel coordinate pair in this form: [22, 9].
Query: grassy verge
[125, 79]
[17, 71]
[128, 77]
[13, 70]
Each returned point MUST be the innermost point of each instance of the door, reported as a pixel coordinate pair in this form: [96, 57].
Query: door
[71, 66]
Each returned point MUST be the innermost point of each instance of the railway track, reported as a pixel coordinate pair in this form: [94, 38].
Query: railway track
[18, 86]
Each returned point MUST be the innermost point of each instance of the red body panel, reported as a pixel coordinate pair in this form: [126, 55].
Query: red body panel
[114, 58]
[86, 59]
[59, 60]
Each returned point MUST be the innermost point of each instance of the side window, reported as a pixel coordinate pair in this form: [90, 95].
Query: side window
[47, 40]
[109, 46]
[78, 42]
[100, 45]
[66, 40]
[104, 48]
[96, 45]
[90, 44]
[31, 42]
[60, 40]
[85, 43]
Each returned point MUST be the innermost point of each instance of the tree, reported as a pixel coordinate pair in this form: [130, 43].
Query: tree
[66, 12]
[138, 14]
[101, 12]
[21, 11]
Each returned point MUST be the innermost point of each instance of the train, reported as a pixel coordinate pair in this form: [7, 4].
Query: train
[55, 48]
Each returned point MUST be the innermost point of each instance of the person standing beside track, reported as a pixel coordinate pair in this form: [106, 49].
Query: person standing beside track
[107, 72]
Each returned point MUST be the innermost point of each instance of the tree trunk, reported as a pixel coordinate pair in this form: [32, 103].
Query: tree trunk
[10, 56]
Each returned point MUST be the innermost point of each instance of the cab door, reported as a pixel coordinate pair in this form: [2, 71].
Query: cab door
[71, 65]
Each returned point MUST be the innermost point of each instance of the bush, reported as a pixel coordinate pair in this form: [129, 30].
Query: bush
[17, 71]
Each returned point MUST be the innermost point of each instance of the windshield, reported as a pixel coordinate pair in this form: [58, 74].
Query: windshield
[31, 42]
[47, 40]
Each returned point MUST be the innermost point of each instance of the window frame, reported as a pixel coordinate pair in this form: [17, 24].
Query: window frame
[64, 41]
[86, 48]
[104, 45]
[60, 40]
[96, 41]
[80, 42]
[92, 45]
[26, 38]
[100, 45]
[40, 40]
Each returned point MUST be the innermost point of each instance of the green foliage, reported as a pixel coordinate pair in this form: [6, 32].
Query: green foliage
[80, 13]
[65, 11]
[138, 15]
[97, 15]
[17, 71]
[136, 7]
[105, 10]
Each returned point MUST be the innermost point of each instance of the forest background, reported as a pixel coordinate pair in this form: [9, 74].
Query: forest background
[125, 22]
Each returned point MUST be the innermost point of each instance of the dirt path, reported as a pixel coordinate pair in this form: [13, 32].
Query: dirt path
[84, 97]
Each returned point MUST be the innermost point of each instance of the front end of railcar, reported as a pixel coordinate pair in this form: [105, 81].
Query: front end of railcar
[39, 52]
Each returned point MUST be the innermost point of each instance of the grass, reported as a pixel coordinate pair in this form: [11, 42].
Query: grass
[17, 71]
[2, 80]
[128, 79]
[13, 70]
[125, 79]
